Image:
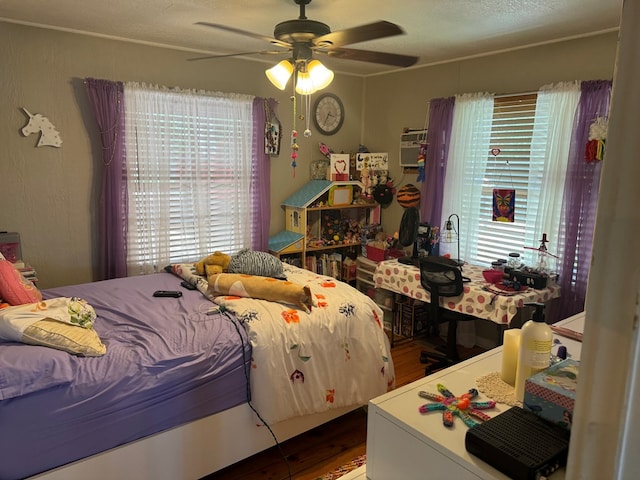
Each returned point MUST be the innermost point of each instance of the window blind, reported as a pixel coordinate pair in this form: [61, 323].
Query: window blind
[511, 132]
[189, 177]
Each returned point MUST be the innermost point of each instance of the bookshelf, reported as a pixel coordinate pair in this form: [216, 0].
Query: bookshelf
[323, 222]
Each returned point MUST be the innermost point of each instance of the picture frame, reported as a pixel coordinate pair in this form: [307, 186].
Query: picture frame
[340, 195]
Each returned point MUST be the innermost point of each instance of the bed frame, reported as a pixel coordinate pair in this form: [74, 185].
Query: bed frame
[190, 451]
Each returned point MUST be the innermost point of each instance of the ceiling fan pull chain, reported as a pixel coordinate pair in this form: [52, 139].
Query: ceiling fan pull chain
[307, 115]
[294, 138]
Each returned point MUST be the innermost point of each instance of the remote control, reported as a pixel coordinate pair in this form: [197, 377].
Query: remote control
[167, 293]
[188, 285]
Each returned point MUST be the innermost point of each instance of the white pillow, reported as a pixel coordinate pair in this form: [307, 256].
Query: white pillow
[63, 323]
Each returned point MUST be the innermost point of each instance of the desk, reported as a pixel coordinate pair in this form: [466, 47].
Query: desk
[476, 300]
[405, 444]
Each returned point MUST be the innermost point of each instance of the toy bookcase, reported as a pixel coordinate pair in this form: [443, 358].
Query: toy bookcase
[322, 225]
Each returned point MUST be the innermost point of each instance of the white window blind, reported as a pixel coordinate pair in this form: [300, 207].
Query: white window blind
[533, 135]
[511, 132]
[188, 175]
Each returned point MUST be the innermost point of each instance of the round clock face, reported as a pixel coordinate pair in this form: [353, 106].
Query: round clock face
[328, 114]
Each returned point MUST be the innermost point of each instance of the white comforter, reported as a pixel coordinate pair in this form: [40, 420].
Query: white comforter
[336, 356]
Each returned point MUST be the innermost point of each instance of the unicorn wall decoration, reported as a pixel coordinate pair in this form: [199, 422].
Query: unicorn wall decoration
[49, 136]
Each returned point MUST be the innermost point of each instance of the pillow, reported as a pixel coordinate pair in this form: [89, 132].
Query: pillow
[62, 336]
[63, 323]
[265, 288]
[14, 288]
[252, 262]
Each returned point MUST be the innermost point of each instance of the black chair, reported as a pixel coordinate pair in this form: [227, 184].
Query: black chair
[442, 277]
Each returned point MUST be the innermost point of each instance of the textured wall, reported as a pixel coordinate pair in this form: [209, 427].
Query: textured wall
[516, 71]
[49, 194]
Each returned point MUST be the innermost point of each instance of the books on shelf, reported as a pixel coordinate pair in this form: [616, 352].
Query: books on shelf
[329, 264]
[26, 270]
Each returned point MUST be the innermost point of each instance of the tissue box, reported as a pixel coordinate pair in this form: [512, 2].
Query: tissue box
[551, 393]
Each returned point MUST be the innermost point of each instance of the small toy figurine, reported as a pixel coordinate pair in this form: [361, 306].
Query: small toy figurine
[461, 406]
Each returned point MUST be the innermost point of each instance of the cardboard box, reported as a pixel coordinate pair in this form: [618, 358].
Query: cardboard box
[551, 393]
[412, 317]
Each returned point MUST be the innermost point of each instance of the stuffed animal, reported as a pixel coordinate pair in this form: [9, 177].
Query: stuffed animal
[266, 288]
[213, 264]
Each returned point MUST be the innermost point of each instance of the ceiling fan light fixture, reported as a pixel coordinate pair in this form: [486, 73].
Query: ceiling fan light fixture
[304, 84]
[279, 74]
[321, 76]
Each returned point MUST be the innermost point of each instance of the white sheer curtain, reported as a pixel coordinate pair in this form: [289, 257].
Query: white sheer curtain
[188, 174]
[466, 164]
[554, 119]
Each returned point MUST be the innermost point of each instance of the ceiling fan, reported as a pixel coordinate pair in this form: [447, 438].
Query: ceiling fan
[303, 37]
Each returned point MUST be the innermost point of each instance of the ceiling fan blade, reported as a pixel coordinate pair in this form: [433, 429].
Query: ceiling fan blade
[373, 57]
[258, 36]
[371, 31]
[262, 52]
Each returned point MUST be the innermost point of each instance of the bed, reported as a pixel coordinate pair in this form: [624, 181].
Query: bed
[187, 384]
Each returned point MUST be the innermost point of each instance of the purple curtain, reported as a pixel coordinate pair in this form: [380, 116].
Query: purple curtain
[261, 177]
[438, 135]
[580, 201]
[107, 102]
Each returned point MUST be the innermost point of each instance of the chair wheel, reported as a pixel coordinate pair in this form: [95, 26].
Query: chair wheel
[423, 357]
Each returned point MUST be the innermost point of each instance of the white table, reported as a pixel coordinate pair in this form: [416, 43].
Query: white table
[405, 444]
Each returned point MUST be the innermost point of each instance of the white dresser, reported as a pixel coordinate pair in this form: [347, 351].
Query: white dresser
[403, 444]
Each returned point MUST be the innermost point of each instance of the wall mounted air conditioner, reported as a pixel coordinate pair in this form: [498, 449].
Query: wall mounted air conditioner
[410, 147]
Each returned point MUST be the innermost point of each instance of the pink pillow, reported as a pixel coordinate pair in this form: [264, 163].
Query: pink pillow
[14, 288]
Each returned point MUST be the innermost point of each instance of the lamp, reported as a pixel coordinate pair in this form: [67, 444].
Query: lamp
[310, 75]
[451, 234]
[320, 75]
[279, 74]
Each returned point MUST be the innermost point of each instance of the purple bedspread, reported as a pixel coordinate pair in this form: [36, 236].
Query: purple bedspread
[167, 363]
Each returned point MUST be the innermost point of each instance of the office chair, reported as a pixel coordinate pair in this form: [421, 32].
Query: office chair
[442, 277]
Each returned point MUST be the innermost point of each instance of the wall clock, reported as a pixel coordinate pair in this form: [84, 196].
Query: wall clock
[328, 114]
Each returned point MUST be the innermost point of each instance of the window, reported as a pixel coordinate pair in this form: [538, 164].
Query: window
[189, 175]
[511, 132]
[533, 134]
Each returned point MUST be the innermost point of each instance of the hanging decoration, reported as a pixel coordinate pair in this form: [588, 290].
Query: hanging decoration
[422, 152]
[408, 196]
[272, 131]
[294, 139]
[504, 204]
[504, 199]
[383, 193]
[595, 148]
[307, 115]
[325, 149]
[422, 157]
[38, 123]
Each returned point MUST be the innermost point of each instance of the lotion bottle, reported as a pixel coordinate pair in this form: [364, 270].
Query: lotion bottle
[536, 340]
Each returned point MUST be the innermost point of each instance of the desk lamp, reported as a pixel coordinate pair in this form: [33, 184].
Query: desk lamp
[451, 234]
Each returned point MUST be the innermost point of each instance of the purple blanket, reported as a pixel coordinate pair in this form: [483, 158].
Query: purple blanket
[167, 363]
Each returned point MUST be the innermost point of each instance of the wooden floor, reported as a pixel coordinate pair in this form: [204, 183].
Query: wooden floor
[329, 446]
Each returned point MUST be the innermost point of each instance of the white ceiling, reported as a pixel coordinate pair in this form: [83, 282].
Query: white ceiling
[436, 30]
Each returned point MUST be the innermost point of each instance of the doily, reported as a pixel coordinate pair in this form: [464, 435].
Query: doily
[494, 387]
